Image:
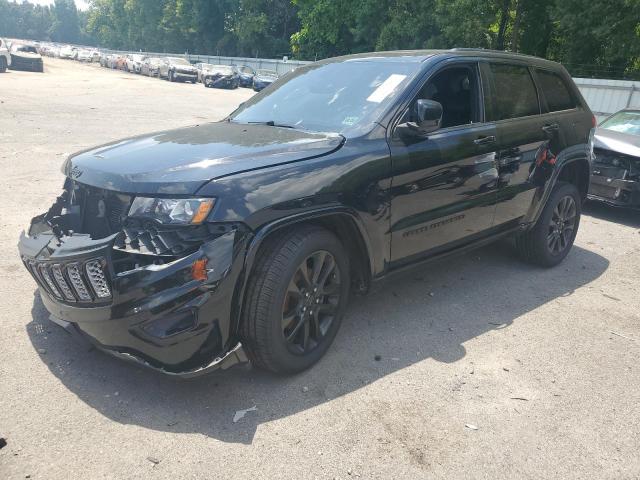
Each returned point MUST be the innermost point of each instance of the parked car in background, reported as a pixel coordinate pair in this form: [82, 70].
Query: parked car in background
[193, 249]
[134, 62]
[84, 56]
[121, 62]
[615, 174]
[95, 56]
[263, 78]
[178, 69]
[246, 76]
[26, 57]
[5, 56]
[68, 52]
[202, 68]
[221, 76]
[150, 67]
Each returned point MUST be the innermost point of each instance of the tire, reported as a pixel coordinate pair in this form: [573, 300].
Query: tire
[279, 302]
[3, 64]
[552, 237]
[170, 76]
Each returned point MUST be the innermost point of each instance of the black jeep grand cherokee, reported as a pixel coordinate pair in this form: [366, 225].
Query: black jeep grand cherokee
[193, 249]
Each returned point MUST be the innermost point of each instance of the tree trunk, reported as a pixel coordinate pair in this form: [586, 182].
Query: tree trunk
[504, 16]
[515, 30]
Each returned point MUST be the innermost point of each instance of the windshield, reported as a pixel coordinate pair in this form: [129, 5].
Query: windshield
[26, 49]
[333, 97]
[625, 122]
[179, 61]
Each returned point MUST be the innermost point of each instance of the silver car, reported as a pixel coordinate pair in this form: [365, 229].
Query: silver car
[615, 174]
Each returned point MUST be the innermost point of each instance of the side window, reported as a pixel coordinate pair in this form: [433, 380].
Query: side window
[515, 92]
[555, 91]
[456, 89]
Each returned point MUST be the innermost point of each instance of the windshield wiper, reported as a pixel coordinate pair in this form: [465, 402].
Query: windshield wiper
[271, 123]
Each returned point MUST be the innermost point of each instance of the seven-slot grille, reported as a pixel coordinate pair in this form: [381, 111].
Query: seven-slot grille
[83, 282]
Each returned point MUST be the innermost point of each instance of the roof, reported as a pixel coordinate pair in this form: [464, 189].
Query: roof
[417, 56]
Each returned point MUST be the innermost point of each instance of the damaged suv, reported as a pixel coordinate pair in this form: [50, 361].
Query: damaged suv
[194, 249]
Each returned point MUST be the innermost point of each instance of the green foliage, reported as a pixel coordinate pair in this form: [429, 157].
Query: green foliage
[592, 37]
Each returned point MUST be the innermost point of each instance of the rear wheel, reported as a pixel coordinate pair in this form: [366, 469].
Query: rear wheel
[3, 64]
[171, 77]
[295, 300]
[551, 239]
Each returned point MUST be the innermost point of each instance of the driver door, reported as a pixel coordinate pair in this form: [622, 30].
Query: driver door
[444, 183]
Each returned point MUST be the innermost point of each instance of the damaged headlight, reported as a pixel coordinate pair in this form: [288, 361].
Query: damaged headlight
[172, 210]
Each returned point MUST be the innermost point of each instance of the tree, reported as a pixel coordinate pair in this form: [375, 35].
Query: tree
[65, 25]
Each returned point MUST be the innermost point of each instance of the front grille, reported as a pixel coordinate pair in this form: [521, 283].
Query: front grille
[67, 282]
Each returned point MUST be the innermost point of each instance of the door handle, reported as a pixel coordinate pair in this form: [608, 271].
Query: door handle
[485, 140]
[551, 128]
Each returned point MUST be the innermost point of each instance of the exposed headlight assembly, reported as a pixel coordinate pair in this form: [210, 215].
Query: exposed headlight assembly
[186, 211]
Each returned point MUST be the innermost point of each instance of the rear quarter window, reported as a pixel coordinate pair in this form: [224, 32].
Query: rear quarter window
[555, 91]
[515, 92]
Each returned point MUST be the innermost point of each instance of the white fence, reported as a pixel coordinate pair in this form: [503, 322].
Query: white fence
[608, 96]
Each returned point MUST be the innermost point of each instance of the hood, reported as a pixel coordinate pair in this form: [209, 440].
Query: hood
[181, 161]
[624, 143]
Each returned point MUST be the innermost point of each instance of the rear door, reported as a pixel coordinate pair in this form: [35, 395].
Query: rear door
[515, 109]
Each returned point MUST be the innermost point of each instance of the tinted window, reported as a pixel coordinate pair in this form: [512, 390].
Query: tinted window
[515, 93]
[555, 91]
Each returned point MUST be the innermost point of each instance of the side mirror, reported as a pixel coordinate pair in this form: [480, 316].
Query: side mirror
[429, 119]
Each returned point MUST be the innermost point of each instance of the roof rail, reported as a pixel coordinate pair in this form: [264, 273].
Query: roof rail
[489, 50]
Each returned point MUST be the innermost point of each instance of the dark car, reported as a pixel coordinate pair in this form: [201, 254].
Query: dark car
[615, 177]
[193, 249]
[221, 76]
[26, 57]
[246, 76]
[263, 78]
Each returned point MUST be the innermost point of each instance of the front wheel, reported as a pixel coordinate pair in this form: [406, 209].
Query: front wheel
[3, 64]
[295, 300]
[171, 77]
[552, 237]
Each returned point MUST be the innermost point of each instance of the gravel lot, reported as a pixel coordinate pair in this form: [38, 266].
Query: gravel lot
[542, 362]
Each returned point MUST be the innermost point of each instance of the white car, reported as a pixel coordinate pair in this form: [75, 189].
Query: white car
[84, 56]
[134, 62]
[5, 56]
[69, 52]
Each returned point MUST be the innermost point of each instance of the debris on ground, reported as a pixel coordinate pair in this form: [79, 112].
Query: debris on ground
[3, 442]
[611, 297]
[241, 413]
[520, 398]
[153, 460]
[470, 426]
[623, 336]
[505, 369]
[42, 351]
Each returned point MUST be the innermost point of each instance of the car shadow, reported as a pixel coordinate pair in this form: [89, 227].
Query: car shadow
[429, 312]
[602, 211]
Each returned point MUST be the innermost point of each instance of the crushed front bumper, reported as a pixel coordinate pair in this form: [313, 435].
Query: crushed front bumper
[616, 192]
[159, 316]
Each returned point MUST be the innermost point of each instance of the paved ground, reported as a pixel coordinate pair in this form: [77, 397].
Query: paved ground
[543, 362]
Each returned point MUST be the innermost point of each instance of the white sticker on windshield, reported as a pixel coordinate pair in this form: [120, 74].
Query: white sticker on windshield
[386, 88]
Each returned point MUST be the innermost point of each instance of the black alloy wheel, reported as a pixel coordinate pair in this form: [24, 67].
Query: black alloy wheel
[549, 241]
[295, 299]
[562, 225]
[311, 302]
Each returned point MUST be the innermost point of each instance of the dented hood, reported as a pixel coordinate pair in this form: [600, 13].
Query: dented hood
[181, 161]
[624, 143]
